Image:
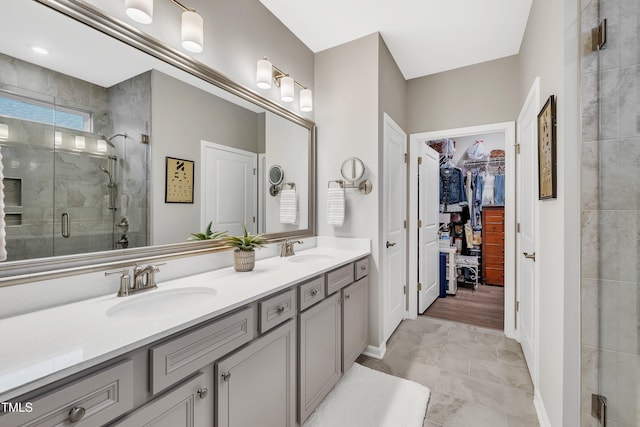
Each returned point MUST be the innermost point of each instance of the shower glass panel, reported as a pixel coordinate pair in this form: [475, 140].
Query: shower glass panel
[611, 215]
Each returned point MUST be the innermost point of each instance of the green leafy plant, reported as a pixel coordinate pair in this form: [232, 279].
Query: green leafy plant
[246, 242]
[207, 235]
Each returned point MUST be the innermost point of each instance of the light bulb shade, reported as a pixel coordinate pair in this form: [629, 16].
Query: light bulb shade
[264, 74]
[192, 32]
[4, 131]
[286, 89]
[306, 100]
[80, 142]
[101, 145]
[139, 10]
[57, 138]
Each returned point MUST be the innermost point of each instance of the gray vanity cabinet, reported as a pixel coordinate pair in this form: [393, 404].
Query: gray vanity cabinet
[256, 385]
[189, 404]
[355, 321]
[320, 332]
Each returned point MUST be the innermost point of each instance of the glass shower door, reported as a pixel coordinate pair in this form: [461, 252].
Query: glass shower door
[611, 216]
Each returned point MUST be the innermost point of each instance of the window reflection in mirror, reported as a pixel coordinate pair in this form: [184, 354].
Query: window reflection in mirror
[84, 159]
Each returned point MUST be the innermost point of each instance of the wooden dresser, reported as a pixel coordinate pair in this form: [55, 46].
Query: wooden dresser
[493, 245]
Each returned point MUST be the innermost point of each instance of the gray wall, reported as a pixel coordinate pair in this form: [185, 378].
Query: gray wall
[347, 80]
[474, 95]
[182, 116]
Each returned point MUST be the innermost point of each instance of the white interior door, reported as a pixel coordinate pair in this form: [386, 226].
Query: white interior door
[229, 188]
[394, 216]
[526, 197]
[428, 221]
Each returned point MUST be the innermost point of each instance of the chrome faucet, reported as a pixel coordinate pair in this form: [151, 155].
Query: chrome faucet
[286, 248]
[144, 279]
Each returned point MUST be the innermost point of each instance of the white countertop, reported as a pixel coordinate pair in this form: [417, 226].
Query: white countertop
[41, 347]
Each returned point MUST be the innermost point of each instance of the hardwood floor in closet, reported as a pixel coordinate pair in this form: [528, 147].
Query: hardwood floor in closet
[484, 307]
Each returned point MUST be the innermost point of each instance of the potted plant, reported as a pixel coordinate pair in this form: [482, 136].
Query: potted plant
[244, 256]
[207, 235]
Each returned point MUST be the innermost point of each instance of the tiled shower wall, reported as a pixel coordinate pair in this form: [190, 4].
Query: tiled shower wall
[611, 213]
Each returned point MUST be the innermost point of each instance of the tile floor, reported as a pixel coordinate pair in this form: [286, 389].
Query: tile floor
[477, 377]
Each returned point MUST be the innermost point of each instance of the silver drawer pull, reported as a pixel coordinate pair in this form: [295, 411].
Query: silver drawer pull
[66, 230]
[225, 376]
[314, 292]
[202, 392]
[280, 310]
[347, 296]
[363, 267]
[76, 414]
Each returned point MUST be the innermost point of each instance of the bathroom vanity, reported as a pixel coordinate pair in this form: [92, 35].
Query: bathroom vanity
[258, 348]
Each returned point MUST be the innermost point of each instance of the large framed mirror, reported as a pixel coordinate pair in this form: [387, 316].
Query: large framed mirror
[86, 136]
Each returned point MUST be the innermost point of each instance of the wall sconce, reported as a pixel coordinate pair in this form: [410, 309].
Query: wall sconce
[4, 131]
[192, 24]
[267, 72]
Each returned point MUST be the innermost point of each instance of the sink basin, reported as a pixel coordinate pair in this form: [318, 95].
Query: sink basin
[310, 258]
[156, 302]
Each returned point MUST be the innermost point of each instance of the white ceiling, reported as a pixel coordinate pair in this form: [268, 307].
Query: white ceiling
[424, 36]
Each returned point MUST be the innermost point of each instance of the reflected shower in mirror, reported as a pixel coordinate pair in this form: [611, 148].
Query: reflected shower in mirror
[84, 158]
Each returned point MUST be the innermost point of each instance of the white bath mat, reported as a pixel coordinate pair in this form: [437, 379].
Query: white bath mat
[368, 398]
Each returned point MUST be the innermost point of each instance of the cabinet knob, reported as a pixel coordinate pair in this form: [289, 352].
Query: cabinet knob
[347, 296]
[314, 292]
[280, 310]
[225, 376]
[363, 267]
[202, 392]
[76, 414]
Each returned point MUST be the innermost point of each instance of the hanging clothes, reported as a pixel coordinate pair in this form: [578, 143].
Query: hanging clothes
[499, 189]
[452, 191]
[488, 190]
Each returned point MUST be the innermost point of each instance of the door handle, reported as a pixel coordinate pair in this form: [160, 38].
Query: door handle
[389, 244]
[529, 256]
[66, 231]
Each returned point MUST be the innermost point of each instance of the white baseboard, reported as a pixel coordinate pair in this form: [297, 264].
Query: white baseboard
[376, 352]
[543, 418]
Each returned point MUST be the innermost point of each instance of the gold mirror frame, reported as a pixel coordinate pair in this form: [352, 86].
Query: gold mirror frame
[25, 271]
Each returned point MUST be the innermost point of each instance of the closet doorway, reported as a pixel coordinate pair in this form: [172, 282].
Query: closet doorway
[477, 224]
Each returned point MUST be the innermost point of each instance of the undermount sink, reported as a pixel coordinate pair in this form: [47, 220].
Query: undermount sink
[310, 258]
[156, 303]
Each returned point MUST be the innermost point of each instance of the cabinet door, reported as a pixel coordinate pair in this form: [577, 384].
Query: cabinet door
[256, 386]
[320, 332]
[189, 404]
[355, 321]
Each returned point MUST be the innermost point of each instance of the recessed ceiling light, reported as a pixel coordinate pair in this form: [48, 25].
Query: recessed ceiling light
[40, 50]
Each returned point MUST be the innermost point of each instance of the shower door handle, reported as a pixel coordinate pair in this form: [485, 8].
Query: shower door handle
[66, 230]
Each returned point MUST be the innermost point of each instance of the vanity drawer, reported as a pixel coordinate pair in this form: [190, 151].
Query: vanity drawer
[311, 293]
[277, 309]
[362, 268]
[338, 279]
[176, 359]
[102, 397]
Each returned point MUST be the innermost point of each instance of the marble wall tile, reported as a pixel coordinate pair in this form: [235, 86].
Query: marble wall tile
[590, 362]
[590, 243]
[629, 33]
[628, 102]
[589, 176]
[590, 314]
[609, 82]
[590, 107]
[610, 10]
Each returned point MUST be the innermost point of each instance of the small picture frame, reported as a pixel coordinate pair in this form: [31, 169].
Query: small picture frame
[179, 181]
[547, 158]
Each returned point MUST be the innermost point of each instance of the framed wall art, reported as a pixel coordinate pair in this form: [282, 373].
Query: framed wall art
[547, 160]
[179, 181]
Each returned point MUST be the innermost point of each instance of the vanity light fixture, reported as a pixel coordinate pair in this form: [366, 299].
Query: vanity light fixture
[80, 142]
[267, 72]
[139, 10]
[192, 24]
[4, 131]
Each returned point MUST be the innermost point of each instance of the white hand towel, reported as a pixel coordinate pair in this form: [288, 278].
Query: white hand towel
[3, 240]
[335, 206]
[288, 206]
